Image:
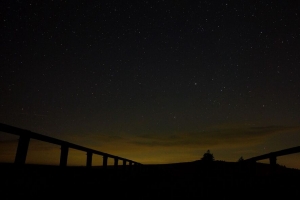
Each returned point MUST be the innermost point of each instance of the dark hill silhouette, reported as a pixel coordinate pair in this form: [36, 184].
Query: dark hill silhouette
[198, 179]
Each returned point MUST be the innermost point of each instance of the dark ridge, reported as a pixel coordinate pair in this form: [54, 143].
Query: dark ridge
[198, 179]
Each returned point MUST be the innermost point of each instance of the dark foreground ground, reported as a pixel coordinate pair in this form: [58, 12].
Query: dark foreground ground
[218, 180]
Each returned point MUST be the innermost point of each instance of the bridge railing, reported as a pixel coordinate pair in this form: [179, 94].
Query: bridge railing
[26, 135]
[272, 156]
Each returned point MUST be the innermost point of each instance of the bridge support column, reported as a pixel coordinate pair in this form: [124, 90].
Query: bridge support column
[89, 156]
[64, 155]
[116, 163]
[22, 149]
[105, 162]
[130, 165]
[137, 166]
[124, 164]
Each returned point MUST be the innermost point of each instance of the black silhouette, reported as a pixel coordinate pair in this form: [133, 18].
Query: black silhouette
[202, 179]
[208, 156]
[241, 159]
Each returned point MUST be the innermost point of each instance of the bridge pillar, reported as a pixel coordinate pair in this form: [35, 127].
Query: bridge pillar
[105, 161]
[116, 163]
[124, 164]
[130, 165]
[22, 149]
[64, 155]
[89, 156]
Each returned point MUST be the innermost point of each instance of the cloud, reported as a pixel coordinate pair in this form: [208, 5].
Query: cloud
[237, 136]
[147, 146]
[156, 147]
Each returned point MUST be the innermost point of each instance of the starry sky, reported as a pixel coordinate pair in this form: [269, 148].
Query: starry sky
[152, 81]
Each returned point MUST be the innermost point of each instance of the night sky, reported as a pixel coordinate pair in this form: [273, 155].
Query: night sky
[152, 81]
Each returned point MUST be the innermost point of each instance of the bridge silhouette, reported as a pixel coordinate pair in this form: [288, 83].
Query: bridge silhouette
[273, 156]
[26, 135]
[195, 179]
